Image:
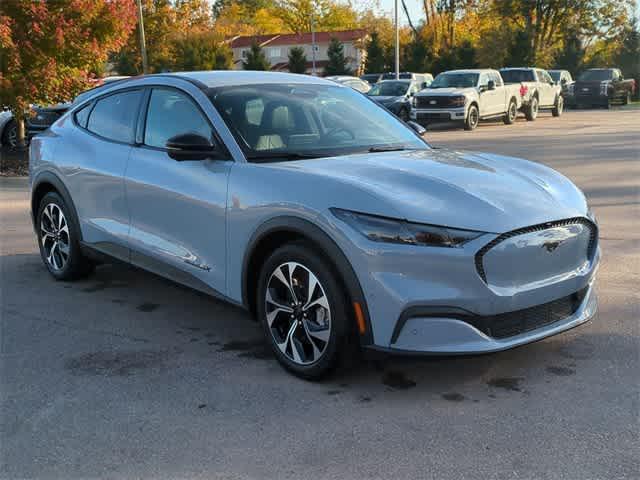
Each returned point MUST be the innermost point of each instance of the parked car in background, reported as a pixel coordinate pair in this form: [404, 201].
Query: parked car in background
[466, 96]
[8, 129]
[602, 87]
[566, 81]
[395, 95]
[371, 78]
[423, 79]
[353, 82]
[329, 220]
[537, 90]
[42, 118]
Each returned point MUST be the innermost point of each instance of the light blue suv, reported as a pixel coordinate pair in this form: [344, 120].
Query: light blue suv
[325, 216]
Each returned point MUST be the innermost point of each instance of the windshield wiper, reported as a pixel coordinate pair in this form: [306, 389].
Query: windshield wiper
[390, 148]
[284, 155]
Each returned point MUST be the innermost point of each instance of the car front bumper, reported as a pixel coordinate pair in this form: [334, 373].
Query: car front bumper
[423, 115]
[436, 300]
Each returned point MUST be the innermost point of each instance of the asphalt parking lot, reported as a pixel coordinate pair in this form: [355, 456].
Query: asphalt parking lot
[126, 375]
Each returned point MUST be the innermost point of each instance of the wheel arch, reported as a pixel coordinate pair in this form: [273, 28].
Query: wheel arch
[278, 231]
[44, 183]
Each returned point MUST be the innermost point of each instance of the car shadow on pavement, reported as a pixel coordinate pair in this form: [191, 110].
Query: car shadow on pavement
[134, 306]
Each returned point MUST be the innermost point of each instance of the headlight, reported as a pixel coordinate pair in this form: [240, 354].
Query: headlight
[458, 101]
[381, 229]
[604, 87]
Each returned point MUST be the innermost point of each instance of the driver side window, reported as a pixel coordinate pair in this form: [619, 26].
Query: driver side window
[172, 113]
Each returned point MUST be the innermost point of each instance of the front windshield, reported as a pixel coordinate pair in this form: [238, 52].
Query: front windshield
[279, 121]
[455, 80]
[595, 76]
[389, 88]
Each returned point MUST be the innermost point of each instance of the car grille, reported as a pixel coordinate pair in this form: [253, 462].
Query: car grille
[591, 246]
[433, 102]
[509, 324]
[432, 116]
[587, 91]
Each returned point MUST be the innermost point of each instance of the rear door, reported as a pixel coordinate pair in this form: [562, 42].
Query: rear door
[547, 88]
[177, 207]
[98, 156]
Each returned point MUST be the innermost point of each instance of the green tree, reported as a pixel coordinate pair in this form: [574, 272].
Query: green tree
[256, 59]
[337, 64]
[572, 54]
[50, 50]
[297, 60]
[375, 60]
[628, 57]
[201, 51]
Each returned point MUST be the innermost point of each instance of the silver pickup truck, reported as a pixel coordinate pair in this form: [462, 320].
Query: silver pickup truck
[466, 96]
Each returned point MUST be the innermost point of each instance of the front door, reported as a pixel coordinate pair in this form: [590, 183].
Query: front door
[177, 207]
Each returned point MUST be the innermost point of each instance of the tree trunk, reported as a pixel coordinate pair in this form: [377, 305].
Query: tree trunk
[21, 141]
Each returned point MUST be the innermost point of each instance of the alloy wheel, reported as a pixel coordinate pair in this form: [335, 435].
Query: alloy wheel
[298, 313]
[473, 117]
[513, 111]
[54, 235]
[560, 106]
[12, 136]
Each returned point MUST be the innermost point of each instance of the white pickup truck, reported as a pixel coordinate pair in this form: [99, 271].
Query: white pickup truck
[466, 96]
[537, 90]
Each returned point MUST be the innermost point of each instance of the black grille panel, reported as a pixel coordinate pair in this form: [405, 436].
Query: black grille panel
[514, 323]
[440, 102]
[593, 239]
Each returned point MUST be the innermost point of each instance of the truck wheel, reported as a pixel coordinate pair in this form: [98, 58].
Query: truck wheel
[531, 112]
[627, 98]
[511, 114]
[558, 107]
[473, 117]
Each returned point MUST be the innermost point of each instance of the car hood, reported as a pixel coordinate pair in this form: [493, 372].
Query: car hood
[445, 92]
[475, 191]
[385, 99]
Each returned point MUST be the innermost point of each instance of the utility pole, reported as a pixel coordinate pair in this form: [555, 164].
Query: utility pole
[313, 46]
[397, 40]
[143, 45]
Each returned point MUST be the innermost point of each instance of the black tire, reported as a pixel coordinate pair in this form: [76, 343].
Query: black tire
[627, 98]
[558, 107]
[512, 113]
[10, 134]
[473, 118]
[531, 112]
[73, 264]
[337, 347]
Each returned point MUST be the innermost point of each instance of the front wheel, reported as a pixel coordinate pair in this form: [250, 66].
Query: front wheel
[531, 112]
[473, 117]
[558, 107]
[59, 239]
[303, 311]
[511, 114]
[10, 134]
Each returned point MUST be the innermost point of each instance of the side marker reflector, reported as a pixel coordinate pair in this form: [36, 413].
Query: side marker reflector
[362, 326]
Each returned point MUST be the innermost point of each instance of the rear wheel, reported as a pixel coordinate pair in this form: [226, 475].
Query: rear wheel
[10, 134]
[473, 117]
[531, 112]
[511, 114]
[558, 107]
[303, 311]
[58, 239]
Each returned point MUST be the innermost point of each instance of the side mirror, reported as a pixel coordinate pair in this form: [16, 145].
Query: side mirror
[491, 85]
[419, 129]
[190, 146]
